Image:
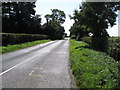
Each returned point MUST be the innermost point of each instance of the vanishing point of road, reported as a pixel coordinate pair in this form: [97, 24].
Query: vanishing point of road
[42, 66]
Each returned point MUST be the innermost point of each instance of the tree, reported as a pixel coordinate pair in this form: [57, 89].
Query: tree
[48, 18]
[78, 31]
[53, 26]
[17, 16]
[58, 16]
[97, 16]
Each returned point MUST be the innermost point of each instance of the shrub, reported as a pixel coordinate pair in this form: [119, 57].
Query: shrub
[109, 45]
[87, 40]
[10, 39]
[73, 37]
[114, 48]
[99, 43]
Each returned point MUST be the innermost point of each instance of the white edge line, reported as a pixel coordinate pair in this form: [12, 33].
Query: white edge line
[16, 65]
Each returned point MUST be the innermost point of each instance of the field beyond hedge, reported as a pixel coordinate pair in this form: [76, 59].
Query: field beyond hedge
[92, 69]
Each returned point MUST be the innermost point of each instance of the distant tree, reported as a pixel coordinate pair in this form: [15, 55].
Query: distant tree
[48, 18]
[53, 26]
[79, 31]
[58, 16]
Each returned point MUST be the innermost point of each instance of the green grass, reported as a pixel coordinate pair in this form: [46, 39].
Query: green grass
[92, 69]
[10, 48]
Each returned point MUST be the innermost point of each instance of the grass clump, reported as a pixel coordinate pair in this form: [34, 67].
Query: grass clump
[10, 48]
[92, 69]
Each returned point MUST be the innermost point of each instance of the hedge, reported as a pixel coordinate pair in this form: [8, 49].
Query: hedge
[10, 39]
[111, 45]
[114, 48]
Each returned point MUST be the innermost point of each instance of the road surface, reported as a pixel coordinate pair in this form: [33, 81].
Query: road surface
[41, 66]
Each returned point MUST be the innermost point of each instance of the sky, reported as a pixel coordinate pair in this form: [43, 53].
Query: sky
[44, 7]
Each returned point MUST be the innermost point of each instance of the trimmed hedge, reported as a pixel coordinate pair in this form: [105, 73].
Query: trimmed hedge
[110, 45]
[10, 39]
[114, 48]
[87, 40]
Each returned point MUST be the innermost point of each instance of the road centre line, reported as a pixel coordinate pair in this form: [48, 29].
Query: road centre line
[31, 72]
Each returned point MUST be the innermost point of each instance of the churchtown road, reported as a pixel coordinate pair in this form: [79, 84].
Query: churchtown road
[41, 66]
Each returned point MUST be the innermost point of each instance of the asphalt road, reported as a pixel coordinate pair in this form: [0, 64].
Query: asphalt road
[41, 66]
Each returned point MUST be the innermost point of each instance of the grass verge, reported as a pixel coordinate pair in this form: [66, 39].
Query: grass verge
[92, 69]
[10, 48]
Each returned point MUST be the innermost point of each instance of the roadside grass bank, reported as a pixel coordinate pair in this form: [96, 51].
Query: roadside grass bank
[10, 48]
[92, 69]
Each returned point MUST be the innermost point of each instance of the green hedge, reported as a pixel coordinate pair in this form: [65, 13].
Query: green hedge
[87, 40]
[10, 39]
[110, 45]
[114, 48]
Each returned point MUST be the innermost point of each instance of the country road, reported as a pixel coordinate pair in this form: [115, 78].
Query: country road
[41, 66]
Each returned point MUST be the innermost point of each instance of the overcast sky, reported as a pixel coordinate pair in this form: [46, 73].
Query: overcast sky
[44, 7]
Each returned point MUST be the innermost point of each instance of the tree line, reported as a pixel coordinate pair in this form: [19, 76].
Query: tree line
[19, 17]
[94, 18]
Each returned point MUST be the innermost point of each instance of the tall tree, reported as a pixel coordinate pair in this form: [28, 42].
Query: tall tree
[53, 26]
[58, 16]
[17, 16]
[98, 16]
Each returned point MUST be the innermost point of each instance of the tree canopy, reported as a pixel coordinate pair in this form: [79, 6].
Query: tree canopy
[54, 27]
[97, 16]
[19, 17]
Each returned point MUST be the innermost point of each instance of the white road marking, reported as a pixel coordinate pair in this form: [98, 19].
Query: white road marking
[34, 74]
[16, 65]
[31, 72]
[26, 60]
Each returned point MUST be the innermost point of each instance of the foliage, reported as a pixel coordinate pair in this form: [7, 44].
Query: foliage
[10, 39]
[58, 16]
[112, 48]
[19, 17]
[10, 48]
[53, 26]
[92, 69]
[87, 40]
[97, 16]
[78, 31]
